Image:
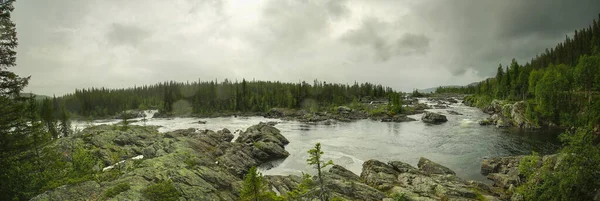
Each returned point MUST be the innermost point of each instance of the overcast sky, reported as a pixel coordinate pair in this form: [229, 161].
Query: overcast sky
[68, 44]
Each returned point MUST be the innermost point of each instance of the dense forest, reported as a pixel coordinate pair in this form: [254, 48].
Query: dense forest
[561, 86]
[205, 97]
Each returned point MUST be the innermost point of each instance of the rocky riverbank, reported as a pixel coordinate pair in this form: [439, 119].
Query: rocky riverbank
[209, 165]
[504, 114]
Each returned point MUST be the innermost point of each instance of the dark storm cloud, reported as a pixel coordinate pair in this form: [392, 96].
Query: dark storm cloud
[120, 34]
[548, 18]
[379, 37]
[486, 33]
[405, 44]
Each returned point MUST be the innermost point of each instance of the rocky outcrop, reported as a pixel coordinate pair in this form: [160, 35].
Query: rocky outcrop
[507, 115]
[431, 167]
[397, 118]
[202, 164]
[504, 171]
[416, 184]
[207, 165]
[433, 118]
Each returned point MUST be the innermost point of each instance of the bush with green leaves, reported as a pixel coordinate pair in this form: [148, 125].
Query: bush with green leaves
[572, 176]
[161, 191]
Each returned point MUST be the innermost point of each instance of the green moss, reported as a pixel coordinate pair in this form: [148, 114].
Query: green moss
[161, 191]
[115, 190]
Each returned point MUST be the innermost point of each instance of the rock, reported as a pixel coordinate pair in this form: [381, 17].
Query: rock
[402, 167]
[451, 100]
[434, 118]
[378, 175]
[82, 191]
[431, 167]
[440, 106]
[343, 110]
[344, 173]
[262, 132]
[397, 118]
[452, 112]
[201, 122]
[275, 113]
[517, 114]
[494, 107]
[502, 123]
[485, 122]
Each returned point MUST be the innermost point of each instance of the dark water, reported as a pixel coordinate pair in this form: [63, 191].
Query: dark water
[460, 144]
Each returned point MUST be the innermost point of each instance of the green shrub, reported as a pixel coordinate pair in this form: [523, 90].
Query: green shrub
[161, 191]
[573, 176]
[399, 197]
[116, 190]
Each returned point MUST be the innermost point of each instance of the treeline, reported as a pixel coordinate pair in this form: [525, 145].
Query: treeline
[205, 97]
[560, 86]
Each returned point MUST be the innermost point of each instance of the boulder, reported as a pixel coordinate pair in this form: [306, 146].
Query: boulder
[494, 107]
[452, 112]
[485, 122]
[431, 167]
[343, 110]
[434, 118]
[262, 132]
[378, 175]
[397, 118]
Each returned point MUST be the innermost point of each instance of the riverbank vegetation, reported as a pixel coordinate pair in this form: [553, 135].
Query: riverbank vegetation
[561, 86]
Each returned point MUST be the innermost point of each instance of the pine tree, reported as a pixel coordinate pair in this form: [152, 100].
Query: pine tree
[65, 124]
[15, 136]
[315, 159]
[255, 188]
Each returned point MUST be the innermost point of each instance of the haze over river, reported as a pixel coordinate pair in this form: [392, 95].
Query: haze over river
[460, 144]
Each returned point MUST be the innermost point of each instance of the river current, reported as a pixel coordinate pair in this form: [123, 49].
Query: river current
[460, 144]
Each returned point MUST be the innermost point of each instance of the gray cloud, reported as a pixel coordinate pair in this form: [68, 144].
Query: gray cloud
[486, 33]
[403, 44]
[379, 36]
[120, 34]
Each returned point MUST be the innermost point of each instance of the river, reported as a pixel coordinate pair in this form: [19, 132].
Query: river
[460, 144]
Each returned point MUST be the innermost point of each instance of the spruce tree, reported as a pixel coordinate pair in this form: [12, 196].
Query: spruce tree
[315, 159]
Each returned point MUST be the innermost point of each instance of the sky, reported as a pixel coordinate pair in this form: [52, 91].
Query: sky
[404, 44]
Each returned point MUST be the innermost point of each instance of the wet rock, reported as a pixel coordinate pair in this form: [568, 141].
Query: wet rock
[431, 167]
[485, 122]
[201, 122]
[452, 112]
[397, 118]
[262, 132]
[434, 118]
